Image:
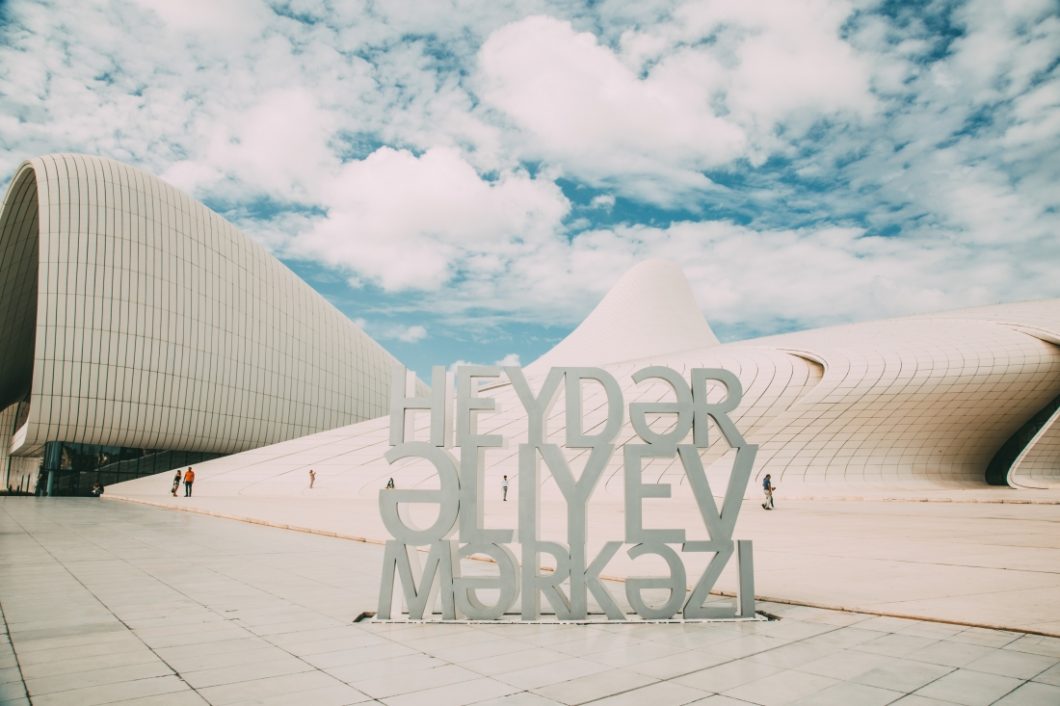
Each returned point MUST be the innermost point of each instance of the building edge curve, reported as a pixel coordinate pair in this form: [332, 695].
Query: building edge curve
[155, 324]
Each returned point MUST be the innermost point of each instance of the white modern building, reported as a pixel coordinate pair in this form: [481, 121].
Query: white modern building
[142, 331]
[957, 399]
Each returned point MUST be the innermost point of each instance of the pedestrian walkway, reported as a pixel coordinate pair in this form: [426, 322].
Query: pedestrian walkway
[991, 564]
[109, 602]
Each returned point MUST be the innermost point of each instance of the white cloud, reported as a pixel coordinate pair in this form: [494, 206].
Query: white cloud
[278, 147]
[409, 334]
[583, 109]
[387, 331]
[789, 62]
[756, 281]
[220, 21]
[714, 84]
[603, 201]
[408, 222]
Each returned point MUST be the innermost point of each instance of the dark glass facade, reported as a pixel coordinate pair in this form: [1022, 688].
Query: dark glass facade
[72, 469]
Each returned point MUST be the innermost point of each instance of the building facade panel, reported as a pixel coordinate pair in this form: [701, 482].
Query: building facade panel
[143, 319]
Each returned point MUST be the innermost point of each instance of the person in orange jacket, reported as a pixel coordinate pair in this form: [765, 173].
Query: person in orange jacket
[189, 478]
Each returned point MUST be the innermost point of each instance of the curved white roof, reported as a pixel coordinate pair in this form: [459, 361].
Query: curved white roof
[908, 402]
[139, 317]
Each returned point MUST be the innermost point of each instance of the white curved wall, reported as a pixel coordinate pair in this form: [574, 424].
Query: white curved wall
[159, 325]
[905, 403]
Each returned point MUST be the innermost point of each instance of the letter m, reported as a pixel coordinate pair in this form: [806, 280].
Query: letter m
[437, 573]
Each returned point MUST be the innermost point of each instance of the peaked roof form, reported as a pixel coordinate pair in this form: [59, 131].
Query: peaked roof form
[650, 311]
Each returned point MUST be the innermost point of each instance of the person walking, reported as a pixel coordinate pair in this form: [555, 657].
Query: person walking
[768, 488]
[504, 488]
[312, 478]
[176, 483]
[189, 478]
[390, 484]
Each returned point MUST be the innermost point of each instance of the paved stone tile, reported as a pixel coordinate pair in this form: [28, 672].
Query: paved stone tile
[1050, 676]
[96, 677]
[790, 655]
[629, 655]
[990, 638]
[395, 684]
[39, 669]
[964, 686]
[781, 688]
[847, 637]
[950, 653]
[249, 614]
[681, 663]
[1036, 644]
[208, 650]
[525, 698]
[923, 628]
[726, 676]
[355, 672]
[247, 671]
[514, 661]
[287, 685]
[846, 694]
[11, 691]
[178, 698]
[466, 692]
[903, 675]
[483, 648]
[17, 701]
[561, 670]
[90, 642]
[896, 645]
[595, 686]
[191, 661]
[717, 700]
[658, 694]
[846, 665]
[1011, 663]
[108, 693]
[1032, 694]
[222, 633]
[357, 655]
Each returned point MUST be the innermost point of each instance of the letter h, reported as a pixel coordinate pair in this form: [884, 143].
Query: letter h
[402, 401]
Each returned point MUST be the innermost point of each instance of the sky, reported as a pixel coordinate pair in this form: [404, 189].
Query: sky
[466, 180]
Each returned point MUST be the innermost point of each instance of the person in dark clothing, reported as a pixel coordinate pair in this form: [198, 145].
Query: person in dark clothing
[768, 488]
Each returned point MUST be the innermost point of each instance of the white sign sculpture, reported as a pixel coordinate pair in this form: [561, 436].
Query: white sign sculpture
[459, 530]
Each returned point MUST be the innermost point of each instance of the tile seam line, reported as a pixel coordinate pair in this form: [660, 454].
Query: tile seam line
[18, 662]
[726, 594]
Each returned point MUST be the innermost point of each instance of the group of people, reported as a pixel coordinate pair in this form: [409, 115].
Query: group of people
[188, 478]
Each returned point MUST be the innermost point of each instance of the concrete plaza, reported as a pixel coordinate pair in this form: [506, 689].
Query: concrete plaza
[110, 602]
[988, 557]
